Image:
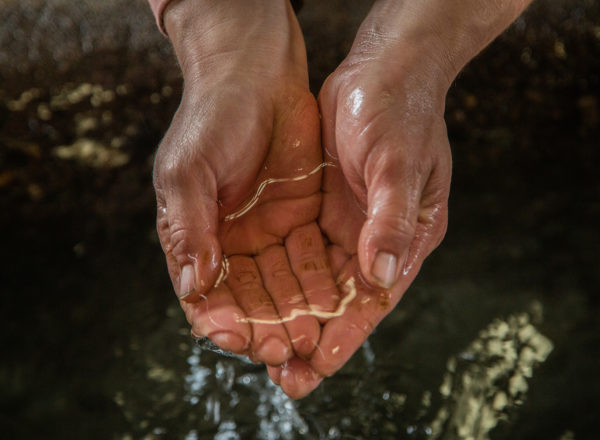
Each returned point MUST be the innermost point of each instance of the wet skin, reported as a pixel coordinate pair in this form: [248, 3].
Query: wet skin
[361, 227]
[383, 126]
[234, 130]
[392, 190]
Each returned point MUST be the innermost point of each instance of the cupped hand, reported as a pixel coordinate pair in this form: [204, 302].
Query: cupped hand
[238, 178]
[238, 185]
[384, 205]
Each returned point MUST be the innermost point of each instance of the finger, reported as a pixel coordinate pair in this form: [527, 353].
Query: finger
[432, 222]
[394, 189]
[311, 267]
[296, 145]
[341, 218]
[187, 225]
[362, 308]
[429, 233]
[328, 106]
[270, 342]
[274, 372]
[337, 259]
[297, 378]
[337, 197]
[303, 329]
[219, 317]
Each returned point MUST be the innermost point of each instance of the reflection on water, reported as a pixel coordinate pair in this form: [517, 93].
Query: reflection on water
[214, 396]
[221, 397]
[489, 378]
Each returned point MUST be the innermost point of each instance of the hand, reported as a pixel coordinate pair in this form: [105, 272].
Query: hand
[384, 204]
[246, 116]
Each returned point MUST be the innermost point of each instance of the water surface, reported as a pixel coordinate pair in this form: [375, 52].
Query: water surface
[498, 337]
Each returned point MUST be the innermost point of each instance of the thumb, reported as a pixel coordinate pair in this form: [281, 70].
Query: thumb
[187, 222]
[394, 191]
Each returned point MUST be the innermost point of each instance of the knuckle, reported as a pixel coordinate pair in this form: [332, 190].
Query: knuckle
[303, 240]
[184, 174]
[388, 166]
[279, 270]
[162, 229]
[260, 305]
[176, 161]
[398, 228]
[179, 239]
[403, 227]
[244, 274]
[247, 280]
[312, 264]
[175, 167]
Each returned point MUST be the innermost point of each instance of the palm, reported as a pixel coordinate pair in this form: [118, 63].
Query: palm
[252, 216]
[264, 208]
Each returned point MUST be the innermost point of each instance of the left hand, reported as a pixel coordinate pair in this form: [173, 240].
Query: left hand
[246, 118]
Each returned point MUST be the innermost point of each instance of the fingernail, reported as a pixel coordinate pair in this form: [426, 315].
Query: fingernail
[187, 282]
[303, 346]
[384, 269]
[229, 341]
[273, 351]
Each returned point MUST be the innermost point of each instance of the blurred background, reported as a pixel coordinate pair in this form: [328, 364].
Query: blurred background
[498, 337]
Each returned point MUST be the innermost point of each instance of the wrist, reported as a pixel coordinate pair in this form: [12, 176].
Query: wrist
[391, 36]
[408, 70]
[216, 37]
[446, 33]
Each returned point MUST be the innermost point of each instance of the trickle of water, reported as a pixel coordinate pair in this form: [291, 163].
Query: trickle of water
[221, 388]
[261, 188]
[349, 287]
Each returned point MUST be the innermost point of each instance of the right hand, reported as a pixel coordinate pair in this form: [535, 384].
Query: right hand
[384, 130]
[246, 115]
[384, 205]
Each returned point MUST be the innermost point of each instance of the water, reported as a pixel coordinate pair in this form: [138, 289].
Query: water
[384, 394]
[228, 398]
[498, 337]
